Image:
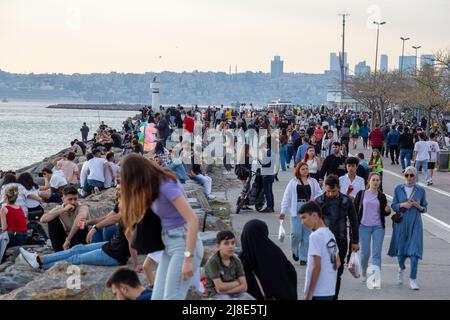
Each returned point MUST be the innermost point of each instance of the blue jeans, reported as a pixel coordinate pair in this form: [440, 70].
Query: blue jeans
[268, 190]
[424, 166]
[169, 283]
[405, 154]
[104, 234]
[90, 254]
[283, 157]
[329, 298]
[179, 171]
[299, 238]
[89, 185]
[366, 234]
[414, 265]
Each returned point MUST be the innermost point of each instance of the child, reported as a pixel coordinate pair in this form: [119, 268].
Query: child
[224, 270]
[376, 164]
[323, 258]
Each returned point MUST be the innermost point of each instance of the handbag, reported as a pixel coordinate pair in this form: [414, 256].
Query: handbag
[147, 234]
[398, 216]
[4, 240]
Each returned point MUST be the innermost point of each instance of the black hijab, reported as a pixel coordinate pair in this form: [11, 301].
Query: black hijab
[263, 258]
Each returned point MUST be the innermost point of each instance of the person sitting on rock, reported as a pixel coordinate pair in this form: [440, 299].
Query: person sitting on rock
[196, 173]
[69, 168]
[225, 278]
[65, 220]
[114, 252]
[54, 183]
[13, 218]
[125, 285]
[96, 173]
[176, 165]
[111, 180]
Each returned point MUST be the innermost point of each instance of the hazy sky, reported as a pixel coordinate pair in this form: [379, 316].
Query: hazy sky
[208, 35]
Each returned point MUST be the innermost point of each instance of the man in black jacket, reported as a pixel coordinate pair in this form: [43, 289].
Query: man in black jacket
[334, 163]
[337, 209]
[406, 143]
[163, 128]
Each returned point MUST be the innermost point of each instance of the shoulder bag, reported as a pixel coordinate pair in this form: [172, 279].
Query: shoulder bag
[397, 217]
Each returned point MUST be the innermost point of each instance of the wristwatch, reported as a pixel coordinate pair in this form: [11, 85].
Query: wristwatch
[188, 254]
[94, 227]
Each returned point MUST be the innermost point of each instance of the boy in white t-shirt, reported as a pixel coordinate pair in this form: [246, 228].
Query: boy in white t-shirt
[434, 150]
[323, 255]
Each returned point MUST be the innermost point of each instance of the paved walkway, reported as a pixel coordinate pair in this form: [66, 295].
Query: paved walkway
[434, 269]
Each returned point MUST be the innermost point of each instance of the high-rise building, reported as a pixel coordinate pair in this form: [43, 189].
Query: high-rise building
[426, 59]
[384, 63]
[334, 62]
[409, 63]
[362, 68]
[276, 67]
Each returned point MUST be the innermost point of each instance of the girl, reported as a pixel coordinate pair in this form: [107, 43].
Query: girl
[32, 201]
[376, 164]
[312, 161]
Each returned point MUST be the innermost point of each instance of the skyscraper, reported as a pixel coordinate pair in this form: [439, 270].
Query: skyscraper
[426, 59]
[409, 63]
[276, 67]
[362, 68]
[384, 63]
[334, 62]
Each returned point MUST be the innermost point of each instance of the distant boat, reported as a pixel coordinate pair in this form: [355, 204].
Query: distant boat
[4, 100]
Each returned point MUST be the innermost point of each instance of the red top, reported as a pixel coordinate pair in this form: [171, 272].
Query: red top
[376, 138]
[189, 124]
[319, 133]
[15, 218]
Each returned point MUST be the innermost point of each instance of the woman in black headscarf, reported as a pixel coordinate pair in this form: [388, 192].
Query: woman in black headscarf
[270, 275]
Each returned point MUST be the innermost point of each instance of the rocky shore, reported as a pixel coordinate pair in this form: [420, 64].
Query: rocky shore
[19, 282]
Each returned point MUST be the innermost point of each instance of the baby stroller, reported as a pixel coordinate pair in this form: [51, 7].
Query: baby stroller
[252, 193]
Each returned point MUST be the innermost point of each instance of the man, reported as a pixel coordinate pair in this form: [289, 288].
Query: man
[96, 176]
[84, 132]
[376, 138]
[64, 221]
[334, 163]
[434, 150]
[323, 255]
[103, 126]
[392, 141]
[117, 139]
[163, 128]
[301, 151]
[350, 183]
[125, 285]
[111, 179]
[422, 155]
[406, 144]
[327, 144]
[196, 173]
[176, 165]
[337, 211]
[319, 132]
[268, 176]
[54, 183]
[385, 149]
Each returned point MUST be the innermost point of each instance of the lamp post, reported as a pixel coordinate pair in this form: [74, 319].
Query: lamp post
[376, 50]
[416, 48]
[342, 58]
[403, 53]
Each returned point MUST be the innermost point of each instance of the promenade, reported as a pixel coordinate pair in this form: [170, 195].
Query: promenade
[434, 270]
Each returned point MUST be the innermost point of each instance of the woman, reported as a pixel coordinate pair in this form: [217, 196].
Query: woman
[269, 274]
[162, 152]
[315, 144]
[9, 181]
[13, 218]
[312, 161]
[301, 189]
[364, 133]
[372, 208]
[376, 164]
[32, 201]
[283, 149]
[407, 235]
[354, 131]
[143, 184]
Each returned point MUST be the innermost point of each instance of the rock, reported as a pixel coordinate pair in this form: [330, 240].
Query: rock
[213, 223]
[208, 237]
[16, 276]
[99, 211]
[104, 195]
[208, 251]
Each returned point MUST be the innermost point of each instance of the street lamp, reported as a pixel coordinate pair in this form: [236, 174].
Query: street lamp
[416, 48]
[376, 50]
[403, 52]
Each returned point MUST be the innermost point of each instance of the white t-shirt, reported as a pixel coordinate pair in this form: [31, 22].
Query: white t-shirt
[96, 167]
[322, 243]
[409, 191]
[108, 178]
[57, 180]
[422, 148]
[448, 127]
[434, 149]
[358, 185]
[30, 203]
[84, 173]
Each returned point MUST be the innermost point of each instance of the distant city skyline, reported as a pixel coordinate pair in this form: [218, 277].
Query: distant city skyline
[82, 36]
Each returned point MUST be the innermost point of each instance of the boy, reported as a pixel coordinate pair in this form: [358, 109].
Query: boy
[224, 271]
[323, 258]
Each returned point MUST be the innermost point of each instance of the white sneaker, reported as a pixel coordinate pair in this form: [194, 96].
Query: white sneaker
[211, 196]
[413, 284]
[400, 276]
[96, 190]
[82, 193]
[364, 276]
[30, 258]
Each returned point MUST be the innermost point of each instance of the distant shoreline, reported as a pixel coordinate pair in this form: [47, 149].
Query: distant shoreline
[98, 106]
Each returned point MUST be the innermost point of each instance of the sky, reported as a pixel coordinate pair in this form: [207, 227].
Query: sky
[86, 36]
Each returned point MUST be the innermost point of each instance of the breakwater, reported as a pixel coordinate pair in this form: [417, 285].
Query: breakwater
[98, 106]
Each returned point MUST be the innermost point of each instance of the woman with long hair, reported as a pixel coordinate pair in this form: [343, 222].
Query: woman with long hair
[301, 189]
[32, 201]
[409, 203]
[376, 164]
[312, 161]
[372, 208]
[143, 185]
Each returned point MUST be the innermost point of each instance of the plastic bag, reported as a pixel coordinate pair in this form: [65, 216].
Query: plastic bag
[281, 232]
[354, 265]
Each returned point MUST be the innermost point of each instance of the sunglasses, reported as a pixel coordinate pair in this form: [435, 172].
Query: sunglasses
[409, 175]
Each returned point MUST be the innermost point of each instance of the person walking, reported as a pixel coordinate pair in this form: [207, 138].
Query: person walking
[364, 133]
[409, 203]
[406, 144]
[392, 141]
[313, 162]
[376, 138]
[422, 155]
[354, 132]
[301, 189]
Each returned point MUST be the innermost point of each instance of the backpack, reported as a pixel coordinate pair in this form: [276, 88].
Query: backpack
[36, 233]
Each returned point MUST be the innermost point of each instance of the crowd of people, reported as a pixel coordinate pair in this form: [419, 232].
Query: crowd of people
[335, 201]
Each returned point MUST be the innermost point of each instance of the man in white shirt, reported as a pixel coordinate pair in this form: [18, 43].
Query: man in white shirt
[96, 177]
[111, 180]
[421, 156]
[327, 144]
[434, 150]
[54, 182]
[323, 255]
[350, 184]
